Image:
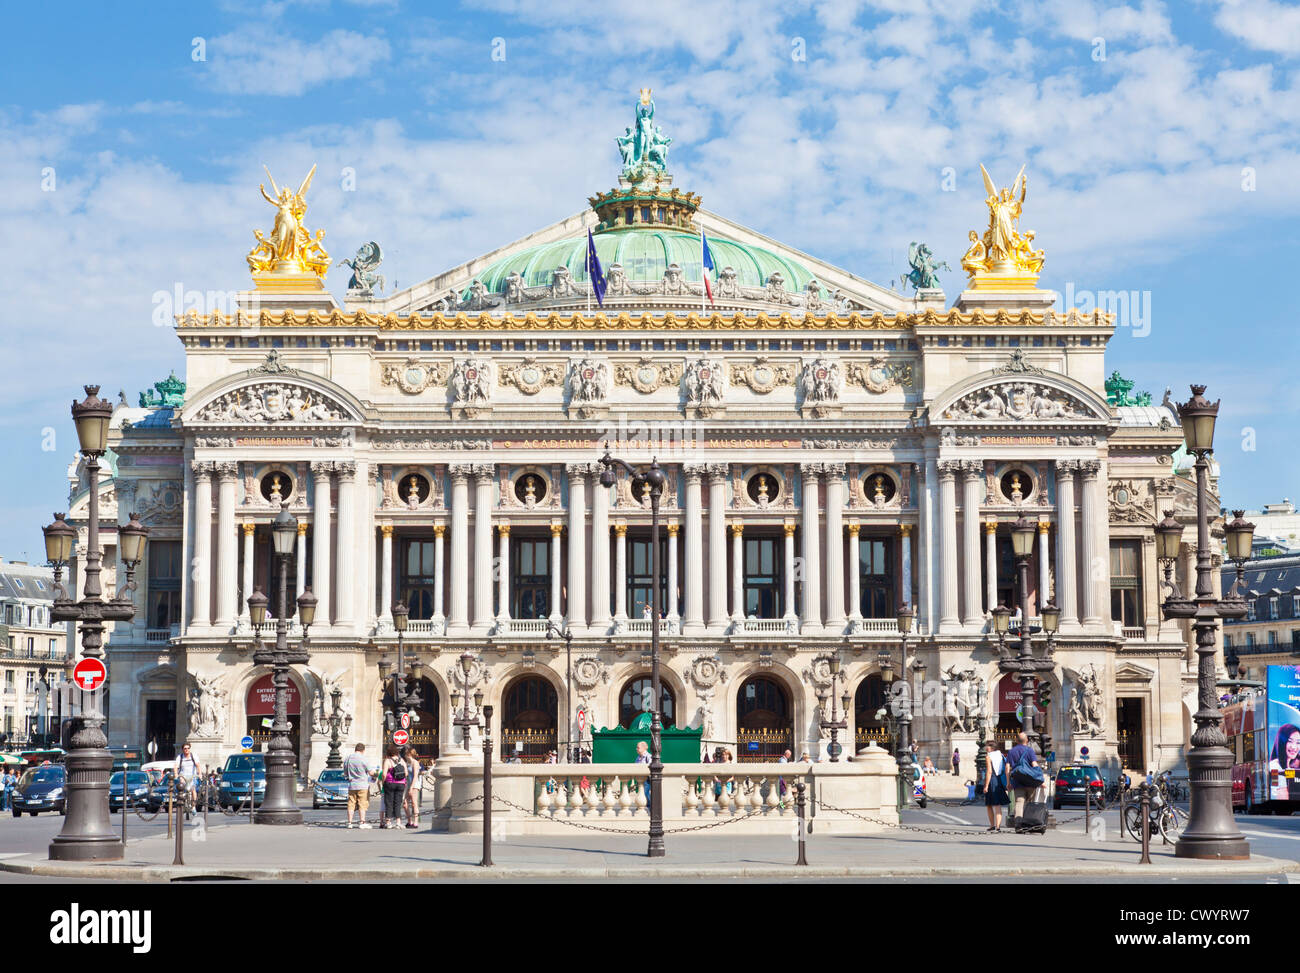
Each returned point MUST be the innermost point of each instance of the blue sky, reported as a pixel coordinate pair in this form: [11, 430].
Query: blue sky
[1160, 144]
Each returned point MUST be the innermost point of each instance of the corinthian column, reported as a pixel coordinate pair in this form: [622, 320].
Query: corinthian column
[1091, 509]
[717, 546]
[1044, 593]
[972, 473]
[855, 576]
[482, 623]
[599, 558]
[670, 612]
[439, 560]
[345, 596]
[693, 582]
[503, 576]
[386, 576]
[201, 608]
[948, 618]
[835, 547]
[458, 618]
[620, 574]
[227, 560]
[301, 580]
[577, 613]
[991, 562]
[246, 585]
[557, 531]
[320, 539]
[812, 586]
[737, 571]
[791, 618]
[1067, 595]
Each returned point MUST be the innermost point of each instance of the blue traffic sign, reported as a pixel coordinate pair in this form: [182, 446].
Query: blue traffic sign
[753, 746]
[246, 743]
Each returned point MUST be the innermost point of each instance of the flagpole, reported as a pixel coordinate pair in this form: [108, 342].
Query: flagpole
[591, 281]
[703, 270]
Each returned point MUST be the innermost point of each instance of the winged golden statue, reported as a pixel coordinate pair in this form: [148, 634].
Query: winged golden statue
[290, 249]
[1004, 257]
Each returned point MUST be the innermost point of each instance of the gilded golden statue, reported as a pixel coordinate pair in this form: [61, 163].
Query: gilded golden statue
[290, 249]
[1004, 257]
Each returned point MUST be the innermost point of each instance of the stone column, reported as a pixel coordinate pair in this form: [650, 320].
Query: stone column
[812, 587]
[717, 546]
[320, 540]
[345, 575]
[246, 585]
[670, 610]
[1091, 508]
[458, 618]
[620, 575]
[227, 558]
[557, 529]
[1044, 592]
[301, 581]
[599, 558]
[482, 619]
[991, 562]
[577, 613]
[201, 609]
[972, 473]
[791, 617]
[503, 576]
[927, 478]
[948, 618]
[905, 532]
[855, 574]
[438, 574]
[834, 547]
[737, 571]
[1067, 595]
[386, 575]
[693, 564]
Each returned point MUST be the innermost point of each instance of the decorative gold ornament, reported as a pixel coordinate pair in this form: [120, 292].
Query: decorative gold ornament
[762, 488]
[1003, 259]
[291, 250]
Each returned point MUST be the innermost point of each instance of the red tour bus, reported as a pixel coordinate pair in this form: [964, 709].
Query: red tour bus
[1263, 734]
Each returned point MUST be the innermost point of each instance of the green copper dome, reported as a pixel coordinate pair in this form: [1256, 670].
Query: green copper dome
[644, 254]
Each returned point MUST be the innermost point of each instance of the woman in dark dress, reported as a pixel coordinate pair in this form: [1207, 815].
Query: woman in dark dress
[995, 785]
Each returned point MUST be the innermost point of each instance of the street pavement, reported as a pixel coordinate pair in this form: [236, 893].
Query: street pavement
[944, 842]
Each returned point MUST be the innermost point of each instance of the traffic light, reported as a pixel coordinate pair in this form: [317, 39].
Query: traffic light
[1045, 695]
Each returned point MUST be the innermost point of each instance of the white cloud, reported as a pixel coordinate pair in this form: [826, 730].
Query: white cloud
[248, 62]
[1261, 24]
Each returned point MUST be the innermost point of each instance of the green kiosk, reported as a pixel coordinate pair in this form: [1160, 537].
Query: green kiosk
[618, 746]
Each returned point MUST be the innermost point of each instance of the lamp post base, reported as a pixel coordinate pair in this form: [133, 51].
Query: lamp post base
[88, 833]
[1211, 832]
[278, 804]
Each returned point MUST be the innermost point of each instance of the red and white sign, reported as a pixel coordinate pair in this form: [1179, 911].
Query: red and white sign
[1009, 694]
[400, 738]
[582, 719]
[261, 698]
[406, 721]
[89, 674]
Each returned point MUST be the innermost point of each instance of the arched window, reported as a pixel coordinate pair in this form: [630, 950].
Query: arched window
[528, 730]
[635, 700]
[765, 725]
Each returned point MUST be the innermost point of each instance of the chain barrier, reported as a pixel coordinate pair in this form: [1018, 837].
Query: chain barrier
[921, 829]
[624, 831]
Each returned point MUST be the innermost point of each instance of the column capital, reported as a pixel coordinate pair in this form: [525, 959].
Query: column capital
[322, 467]
[249, 528]
[737, 528]
[1089, 468]
[853, 527]
[718, 472]
[905, 530]
[672, 529]
[832, 469]
[811, 471]
[439, 530]
[503, 530]
[972, 468]
[302, 528]
[483, 472]
[557, 528]
[346, 469]
[386, 530]
[949, 468]
[226, 470]
[202, 467]
[693, 471]
[789, 528]
[621, 528]
[1066, 466]
[579, 470]
[991, 526]
[460, 472]
[1046, 525]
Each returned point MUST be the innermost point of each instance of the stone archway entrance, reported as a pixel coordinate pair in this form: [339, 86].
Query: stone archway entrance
[528, 725]
[259, 710]
[764, 720]
[634, 699]
[868, 701]
[425, 721]
[1007, 703]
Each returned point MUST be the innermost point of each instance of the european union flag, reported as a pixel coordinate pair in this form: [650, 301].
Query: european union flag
[594, 273]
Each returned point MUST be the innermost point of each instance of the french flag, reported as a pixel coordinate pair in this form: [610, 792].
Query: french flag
[708, 265]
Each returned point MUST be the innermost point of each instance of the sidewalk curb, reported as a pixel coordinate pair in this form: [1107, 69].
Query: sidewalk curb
[170, 873]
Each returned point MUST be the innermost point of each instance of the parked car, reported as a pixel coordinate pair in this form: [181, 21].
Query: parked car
[242, 772]
[137, 786]
[40, 789]
[331, 789]
[1074, 781]
[918, 785]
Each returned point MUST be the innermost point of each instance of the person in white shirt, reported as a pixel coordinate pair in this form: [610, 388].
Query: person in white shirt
[188, 768]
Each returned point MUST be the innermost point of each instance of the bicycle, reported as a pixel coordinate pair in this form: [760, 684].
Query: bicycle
[1166, 820]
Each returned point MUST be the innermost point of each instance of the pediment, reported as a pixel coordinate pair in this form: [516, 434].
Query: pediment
[295, 399]
[1132, 672]
[161, 674]
[1019, 394]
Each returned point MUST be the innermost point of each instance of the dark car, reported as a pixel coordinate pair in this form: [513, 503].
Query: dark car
[40, 789]
[137, 787]
[242, 771]
[331, 789]
[1075, 781]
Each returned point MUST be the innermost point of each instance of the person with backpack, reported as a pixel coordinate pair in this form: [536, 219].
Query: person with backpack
[411, 796]
[358, 772]
[1026, 776]
[393, 773]
[995, 785]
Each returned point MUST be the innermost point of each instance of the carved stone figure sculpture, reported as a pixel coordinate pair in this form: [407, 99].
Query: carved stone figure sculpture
[471, 383]
[706, 385]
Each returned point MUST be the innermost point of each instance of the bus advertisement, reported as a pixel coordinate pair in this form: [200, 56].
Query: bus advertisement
[1264, 737]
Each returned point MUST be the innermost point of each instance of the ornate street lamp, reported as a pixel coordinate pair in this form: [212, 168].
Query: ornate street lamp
[87, 833]
[278, 804]
[401, 698]
[334, 761]
[1239, 536]
[1211, 831]
[831, 721]
[904, 617]
[552, 630]
[652, 481]
[1051, 616]
[1022, 546]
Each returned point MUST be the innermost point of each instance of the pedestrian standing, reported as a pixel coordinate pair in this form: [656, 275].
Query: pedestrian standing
[956, 762]
[9, 781]
[393, 773]
[995, 785]
[357, 770]
[411, 797]
[1023, 787]
[643, 757]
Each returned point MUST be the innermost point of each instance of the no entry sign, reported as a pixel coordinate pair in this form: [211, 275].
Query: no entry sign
[89, 674]
[582, 719]
[400, 737]
[406, 721]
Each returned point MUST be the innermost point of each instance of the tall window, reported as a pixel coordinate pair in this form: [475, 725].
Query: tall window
[530, 582]
[1126, 582]
[640, 576]
[417, 577]
[635, 700]
[876, 577]
[1272, 607]
[1272, 640]
[164, 584]
[763, 581]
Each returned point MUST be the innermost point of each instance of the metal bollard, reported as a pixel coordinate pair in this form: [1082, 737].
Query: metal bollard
[125, 800]
[1145, 791]
[1087, 808]
[487, 788]
[799, 803]
[180, 824]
